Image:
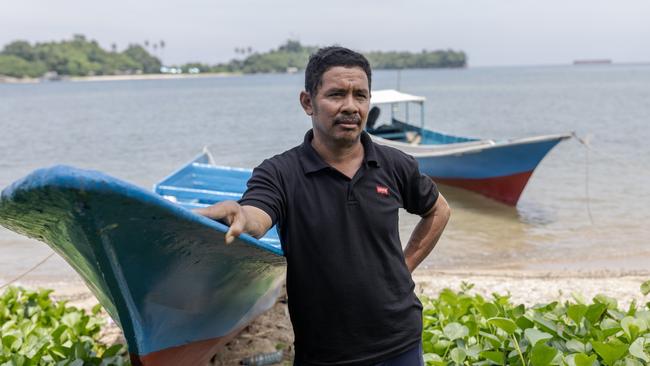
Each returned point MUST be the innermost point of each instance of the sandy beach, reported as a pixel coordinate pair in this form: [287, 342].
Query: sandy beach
[273, 331]
[27, 80]
[150, 76]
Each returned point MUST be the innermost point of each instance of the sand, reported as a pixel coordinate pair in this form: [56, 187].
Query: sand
[150, 76]
[27, 80]
[273, 331]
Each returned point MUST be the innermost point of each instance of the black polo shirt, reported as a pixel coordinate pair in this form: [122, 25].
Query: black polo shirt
[351, 298]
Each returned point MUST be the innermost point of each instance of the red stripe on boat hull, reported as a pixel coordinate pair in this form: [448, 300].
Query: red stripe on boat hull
[200, 352]
[506, 189]
[196, 353]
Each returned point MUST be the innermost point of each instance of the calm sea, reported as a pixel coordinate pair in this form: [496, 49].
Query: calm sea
[580, 211]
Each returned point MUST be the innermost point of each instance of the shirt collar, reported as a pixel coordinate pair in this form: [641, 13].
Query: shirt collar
[312, 162]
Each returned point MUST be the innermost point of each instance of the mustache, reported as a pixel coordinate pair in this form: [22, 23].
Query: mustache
[348, 119]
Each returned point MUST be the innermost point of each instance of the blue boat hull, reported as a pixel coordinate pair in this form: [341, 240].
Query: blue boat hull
[163, 273]
[496, 169]
[498, 161]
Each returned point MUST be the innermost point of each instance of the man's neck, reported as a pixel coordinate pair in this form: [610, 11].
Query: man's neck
[345, 158]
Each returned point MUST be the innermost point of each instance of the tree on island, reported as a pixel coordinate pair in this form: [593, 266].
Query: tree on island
[76, 57]
[293, 55]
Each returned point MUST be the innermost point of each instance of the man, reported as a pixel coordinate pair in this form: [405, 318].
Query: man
[335, 199]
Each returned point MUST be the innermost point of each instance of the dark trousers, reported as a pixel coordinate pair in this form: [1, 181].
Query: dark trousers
[412, 357]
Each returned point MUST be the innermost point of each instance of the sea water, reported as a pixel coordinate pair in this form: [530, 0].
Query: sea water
[582, 209]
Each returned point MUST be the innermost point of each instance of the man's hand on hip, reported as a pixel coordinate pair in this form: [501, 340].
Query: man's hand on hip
[241, 219]
[427, 233]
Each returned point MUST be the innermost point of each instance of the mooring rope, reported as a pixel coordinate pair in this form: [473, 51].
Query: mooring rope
[604, 156]
[587, 145]
[207, 152]
[620, 160]
[27, 271]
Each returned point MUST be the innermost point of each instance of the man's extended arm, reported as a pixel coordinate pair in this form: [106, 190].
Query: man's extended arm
[426, 233]
[242, 219]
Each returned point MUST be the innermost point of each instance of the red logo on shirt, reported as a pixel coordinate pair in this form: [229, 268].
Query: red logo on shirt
[382, 190]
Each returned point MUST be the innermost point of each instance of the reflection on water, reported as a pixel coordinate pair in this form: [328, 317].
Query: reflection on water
[484, 233]
[481, 232]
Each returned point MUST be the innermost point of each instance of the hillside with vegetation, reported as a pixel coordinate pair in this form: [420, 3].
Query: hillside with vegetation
[80, 56]
[293, 55]
[76, 57]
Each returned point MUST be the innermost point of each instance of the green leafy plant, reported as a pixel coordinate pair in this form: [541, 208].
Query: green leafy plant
[467, 329]
[35, 330]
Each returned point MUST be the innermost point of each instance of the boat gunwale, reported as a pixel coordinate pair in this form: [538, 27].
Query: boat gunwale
[67, 177]
[463, 148]
[198, 190]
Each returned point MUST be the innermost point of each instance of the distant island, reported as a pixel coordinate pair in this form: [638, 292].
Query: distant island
[80, 56]
[293, 56]
[76, 57]
[593, 61]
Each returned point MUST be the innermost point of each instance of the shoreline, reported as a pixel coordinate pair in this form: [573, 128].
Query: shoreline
[56, 270]
[531, 287]
[623, 285]
[13, 80]
[151, 77]
[27, 80]
[421, 275]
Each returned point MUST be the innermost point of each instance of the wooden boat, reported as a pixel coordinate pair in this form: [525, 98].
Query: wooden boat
[162, 272]
[498, 169]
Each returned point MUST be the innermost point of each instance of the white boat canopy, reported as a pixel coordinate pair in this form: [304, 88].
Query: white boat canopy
[388, 96]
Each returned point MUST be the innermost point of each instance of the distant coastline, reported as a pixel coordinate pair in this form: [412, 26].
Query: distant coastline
[13, 80]
[152, 76]
[82, 57]
[598, 61]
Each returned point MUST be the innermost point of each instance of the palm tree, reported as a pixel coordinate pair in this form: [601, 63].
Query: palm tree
[162, 49]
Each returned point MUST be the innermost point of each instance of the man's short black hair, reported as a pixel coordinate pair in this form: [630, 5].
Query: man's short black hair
[328, 57]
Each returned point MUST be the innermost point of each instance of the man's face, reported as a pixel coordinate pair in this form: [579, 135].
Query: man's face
[340, 107]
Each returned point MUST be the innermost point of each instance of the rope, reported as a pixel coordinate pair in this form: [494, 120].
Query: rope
[607, 157]
[618, 160]
[27, 271]
[210, 158]
[585, 143]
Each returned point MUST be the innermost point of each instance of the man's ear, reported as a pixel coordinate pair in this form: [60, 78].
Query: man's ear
[306, 103]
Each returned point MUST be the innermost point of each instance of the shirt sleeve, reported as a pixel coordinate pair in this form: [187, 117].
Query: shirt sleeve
[264, 191]
[419, 192]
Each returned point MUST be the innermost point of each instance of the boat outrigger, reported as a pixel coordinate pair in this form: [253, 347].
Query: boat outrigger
[498, 169]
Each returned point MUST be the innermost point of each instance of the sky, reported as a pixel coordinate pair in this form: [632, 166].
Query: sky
[491, 32]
